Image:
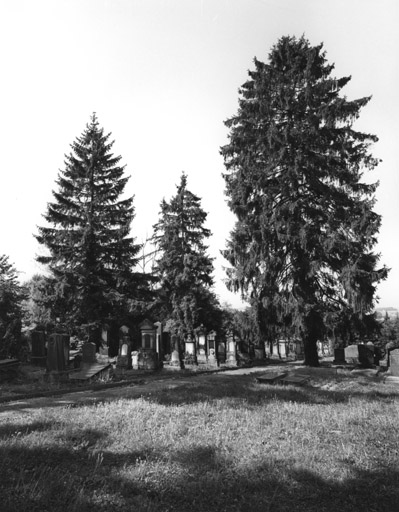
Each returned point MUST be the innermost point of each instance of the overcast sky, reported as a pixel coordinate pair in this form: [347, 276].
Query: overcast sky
[162, 76]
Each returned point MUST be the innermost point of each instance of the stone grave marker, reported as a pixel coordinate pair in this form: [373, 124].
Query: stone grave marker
[339, 356]
[58, 353]
[38, 356]
[394, 362]
[124, 359]
[366, 355]
[174, 358]
[352, 354]
[222, 352]
[89, 353]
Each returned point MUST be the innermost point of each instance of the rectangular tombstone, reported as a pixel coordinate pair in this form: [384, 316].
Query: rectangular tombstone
[38, 355]
[339, 356]
[58, 352]
[282, 348]
[352, 354]
[394, 362]
[222, 351]
[366, 356]
[89, 353]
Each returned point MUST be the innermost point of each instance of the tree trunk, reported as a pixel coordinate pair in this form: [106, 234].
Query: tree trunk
[310, 349]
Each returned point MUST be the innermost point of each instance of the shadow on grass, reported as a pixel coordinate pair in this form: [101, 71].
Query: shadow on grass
[198, 479]
[15, 430]
[234, 388]
[245, 388]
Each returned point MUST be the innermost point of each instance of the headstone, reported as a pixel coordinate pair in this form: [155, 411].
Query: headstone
[159, 344]
[366, 355]
[259, 353]
[299, 349]
[352, 354]
[221, 352]
[282, 348]
[231, 354]
[135, 360]
[148, 334]
[124, 359]
[148, 357]
[201, 341]
[89, 353]
[38, 355]
[58, 353]
[394, 362]
[174, 358]
[339, 356]
[189, 353]
[211, 345]
[104, 347]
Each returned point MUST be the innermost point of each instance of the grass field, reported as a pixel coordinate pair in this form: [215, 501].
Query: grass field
[332, 445]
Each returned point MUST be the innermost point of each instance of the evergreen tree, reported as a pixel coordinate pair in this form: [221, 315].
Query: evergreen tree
[11, 296]
[302, 246]
[91, 252]
[38, 305]
[184, 268]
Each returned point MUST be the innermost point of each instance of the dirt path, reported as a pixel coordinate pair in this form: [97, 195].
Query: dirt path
[34, 406]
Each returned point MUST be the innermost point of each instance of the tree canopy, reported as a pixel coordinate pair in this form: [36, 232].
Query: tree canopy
[91, 252]
[303, 244]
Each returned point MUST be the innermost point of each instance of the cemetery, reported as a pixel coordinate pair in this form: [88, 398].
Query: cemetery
[59, 360]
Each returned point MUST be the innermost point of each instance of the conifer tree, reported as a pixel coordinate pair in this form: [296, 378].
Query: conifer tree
[12, 295]
[303, 242]
[91, 253]
[183, 265]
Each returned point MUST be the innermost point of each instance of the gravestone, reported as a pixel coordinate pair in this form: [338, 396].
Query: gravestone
[58, 353]
[352, 354]
[211, 342]
[201, 341]
[366, 355]
[221, 352]
[339, 356]
[135, 360]
[159, 344]
[174, 358]
[89, 353]
[231, 354]
[124, 359]
[394, 362]
[104, 347]
[175, 354]
[282, 349]
[148, 357]
[190, 357]
[38, 356]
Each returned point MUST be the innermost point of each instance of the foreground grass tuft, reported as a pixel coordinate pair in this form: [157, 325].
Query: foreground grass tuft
[332, 445]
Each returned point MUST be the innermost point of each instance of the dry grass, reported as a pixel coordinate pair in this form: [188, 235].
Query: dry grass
[236, 446]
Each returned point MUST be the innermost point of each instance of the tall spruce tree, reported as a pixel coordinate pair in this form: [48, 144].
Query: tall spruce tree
[91, 253]
[183, 265]
[302, 246]
[12, 294]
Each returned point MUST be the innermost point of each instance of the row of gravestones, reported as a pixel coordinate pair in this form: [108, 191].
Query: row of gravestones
[366, 356]
[56, 355]
[355, 354]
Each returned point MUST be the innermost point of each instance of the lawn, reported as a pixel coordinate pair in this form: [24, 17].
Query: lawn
[214, 445]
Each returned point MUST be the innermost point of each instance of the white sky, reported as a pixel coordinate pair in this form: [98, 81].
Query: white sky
[162, 76]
